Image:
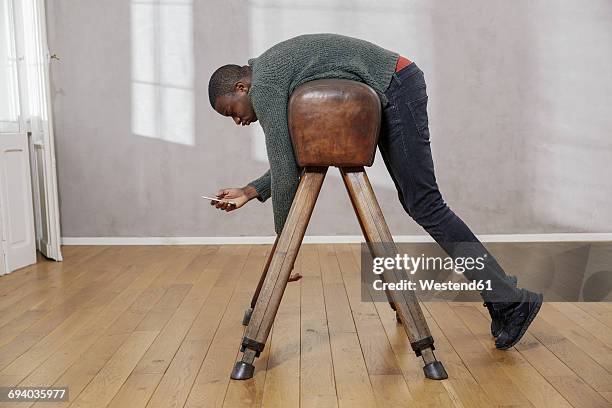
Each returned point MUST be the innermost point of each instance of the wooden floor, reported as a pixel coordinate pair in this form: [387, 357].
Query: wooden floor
[161, 327]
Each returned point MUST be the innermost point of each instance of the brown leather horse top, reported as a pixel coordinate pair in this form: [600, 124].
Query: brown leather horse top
[334, 122]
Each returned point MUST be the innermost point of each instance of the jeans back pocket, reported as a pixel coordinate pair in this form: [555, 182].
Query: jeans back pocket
[418, 109]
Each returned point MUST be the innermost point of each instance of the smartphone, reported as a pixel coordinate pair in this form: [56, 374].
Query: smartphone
[218, 199]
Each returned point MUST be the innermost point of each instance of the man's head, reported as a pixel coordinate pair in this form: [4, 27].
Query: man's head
[228, 93]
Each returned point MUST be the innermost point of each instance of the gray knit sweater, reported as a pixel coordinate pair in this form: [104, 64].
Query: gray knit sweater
[287, 65]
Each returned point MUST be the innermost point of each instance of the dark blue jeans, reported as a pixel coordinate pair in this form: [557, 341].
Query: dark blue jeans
[405, 148]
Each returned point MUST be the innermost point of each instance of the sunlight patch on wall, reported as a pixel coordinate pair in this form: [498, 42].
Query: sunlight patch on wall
[162, 70]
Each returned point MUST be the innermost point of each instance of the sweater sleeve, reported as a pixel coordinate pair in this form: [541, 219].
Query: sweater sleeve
[271, 108]
[263, 186]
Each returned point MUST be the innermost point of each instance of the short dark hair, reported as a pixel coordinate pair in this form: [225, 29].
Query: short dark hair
[223, 80]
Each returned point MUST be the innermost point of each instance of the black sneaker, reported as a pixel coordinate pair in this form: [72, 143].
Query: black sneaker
[517, 318]
[496, 316]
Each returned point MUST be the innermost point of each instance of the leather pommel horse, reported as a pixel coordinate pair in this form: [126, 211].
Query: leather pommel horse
[333, 122]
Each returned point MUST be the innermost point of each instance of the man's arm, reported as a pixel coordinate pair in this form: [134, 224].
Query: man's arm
[262, 187]
[284, 171]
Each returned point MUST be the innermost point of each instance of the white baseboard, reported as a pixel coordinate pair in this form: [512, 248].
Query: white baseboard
[326, 239]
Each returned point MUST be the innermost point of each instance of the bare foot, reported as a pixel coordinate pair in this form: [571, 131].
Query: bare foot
[295, 277]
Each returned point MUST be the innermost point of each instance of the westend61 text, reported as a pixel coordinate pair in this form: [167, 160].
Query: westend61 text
[430, 284]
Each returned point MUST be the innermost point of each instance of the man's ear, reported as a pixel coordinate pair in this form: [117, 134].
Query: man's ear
[241, 87]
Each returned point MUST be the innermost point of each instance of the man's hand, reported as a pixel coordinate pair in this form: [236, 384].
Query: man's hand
[239, 196]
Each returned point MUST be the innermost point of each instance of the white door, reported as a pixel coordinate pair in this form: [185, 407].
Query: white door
[26, 57]
[16, 208]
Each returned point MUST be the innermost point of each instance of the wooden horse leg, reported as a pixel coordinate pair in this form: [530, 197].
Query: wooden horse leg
[366, 236]
[381, 243]
[247, 313]
[280, 268]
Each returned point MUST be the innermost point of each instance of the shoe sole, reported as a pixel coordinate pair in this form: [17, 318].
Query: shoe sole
[526, 325]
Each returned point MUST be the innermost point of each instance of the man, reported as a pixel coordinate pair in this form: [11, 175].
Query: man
[261, 90]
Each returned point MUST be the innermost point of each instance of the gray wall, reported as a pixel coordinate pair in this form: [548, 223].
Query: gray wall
[520, 102]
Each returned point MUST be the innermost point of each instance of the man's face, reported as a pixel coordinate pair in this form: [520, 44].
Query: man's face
[237, 105]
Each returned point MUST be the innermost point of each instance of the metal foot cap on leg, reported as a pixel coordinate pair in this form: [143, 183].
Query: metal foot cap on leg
[435, 371]
[242, 371]
[247, 316]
